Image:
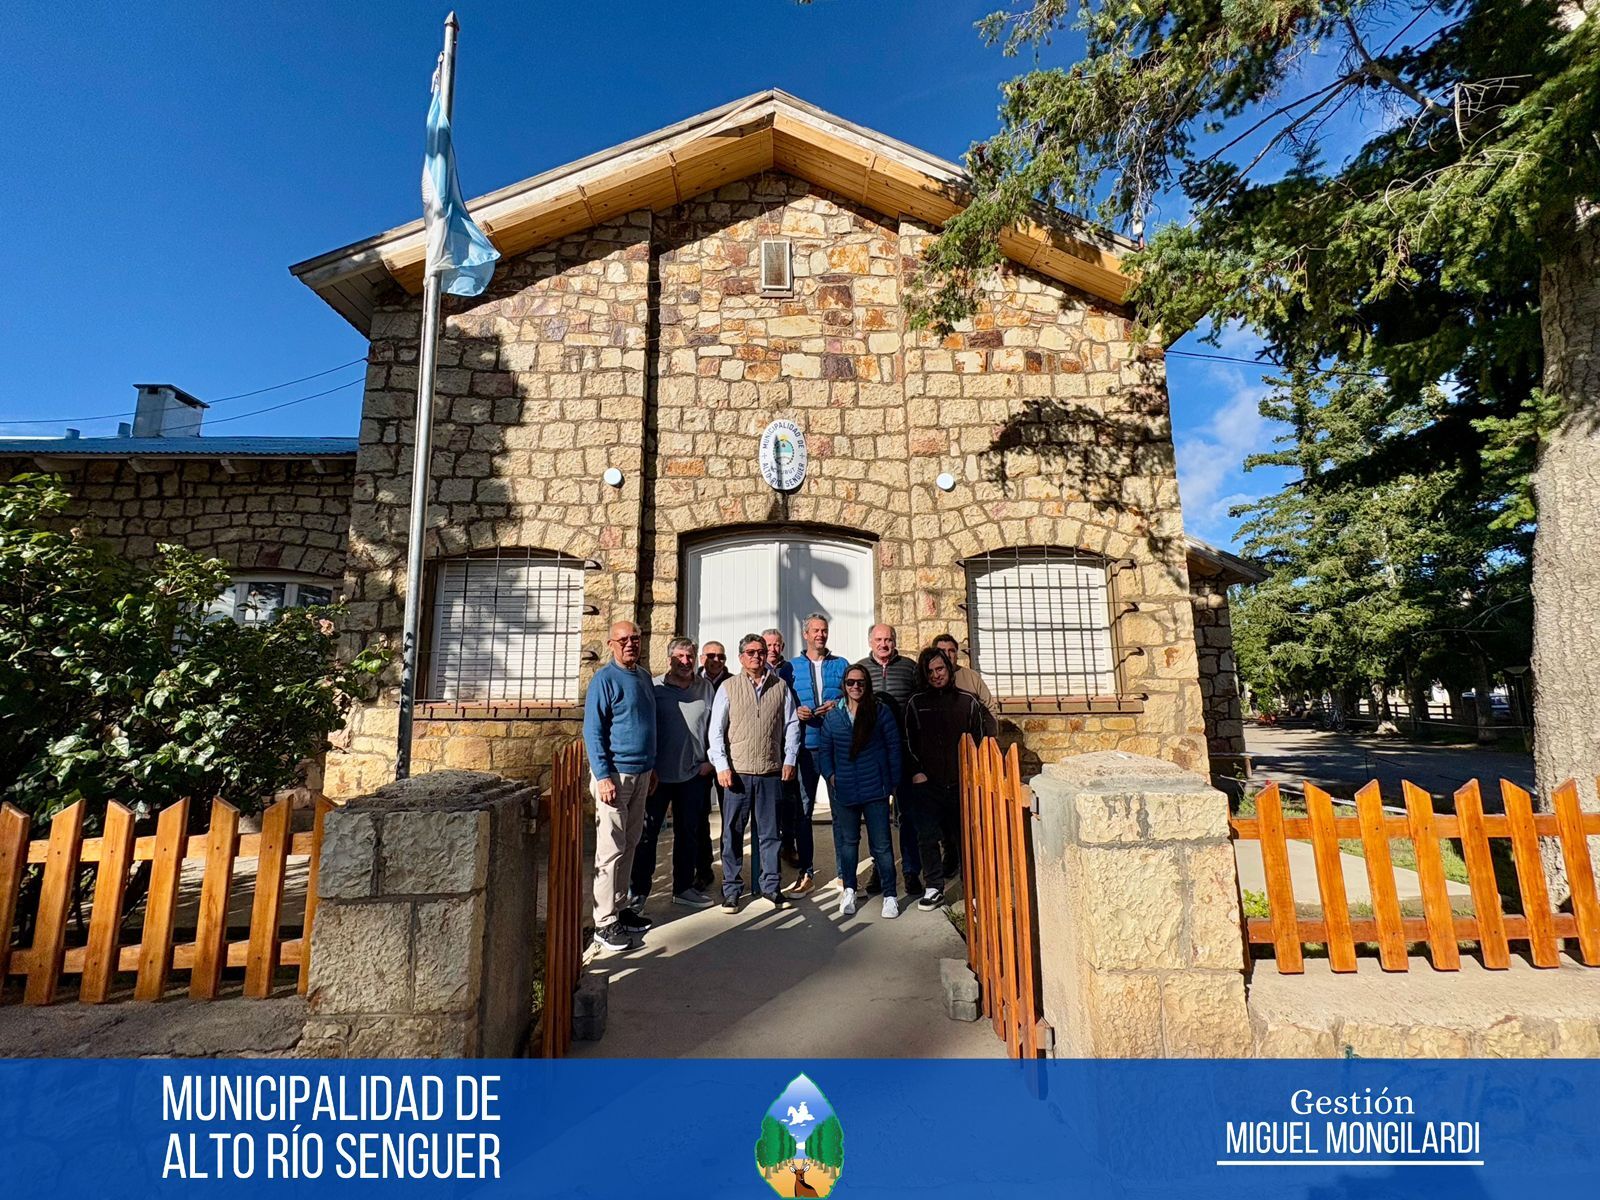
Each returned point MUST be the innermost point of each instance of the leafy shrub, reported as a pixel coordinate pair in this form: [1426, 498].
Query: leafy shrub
[115, 685]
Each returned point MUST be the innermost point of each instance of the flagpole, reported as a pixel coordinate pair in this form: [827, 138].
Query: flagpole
[422, 454]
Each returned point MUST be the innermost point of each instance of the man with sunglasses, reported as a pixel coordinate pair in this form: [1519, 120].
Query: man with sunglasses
[755, 741]
[619, 732]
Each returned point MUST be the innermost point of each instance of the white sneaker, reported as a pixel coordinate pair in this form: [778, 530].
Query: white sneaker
[847, 903]
[891, 908]
[692, 898]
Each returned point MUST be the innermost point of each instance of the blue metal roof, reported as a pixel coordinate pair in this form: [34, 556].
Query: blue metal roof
[180, 447]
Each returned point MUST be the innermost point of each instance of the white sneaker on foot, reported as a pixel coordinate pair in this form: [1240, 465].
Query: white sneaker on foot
[847, 903]
[891, 908]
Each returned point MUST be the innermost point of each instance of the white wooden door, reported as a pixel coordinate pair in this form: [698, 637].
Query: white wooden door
[749, 582]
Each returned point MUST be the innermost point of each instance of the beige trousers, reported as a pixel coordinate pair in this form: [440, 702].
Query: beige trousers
[617, 830]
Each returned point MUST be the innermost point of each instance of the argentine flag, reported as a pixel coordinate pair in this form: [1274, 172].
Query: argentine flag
[458, 251]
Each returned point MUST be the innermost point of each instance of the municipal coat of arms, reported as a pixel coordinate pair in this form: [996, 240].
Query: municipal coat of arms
[801, 1148]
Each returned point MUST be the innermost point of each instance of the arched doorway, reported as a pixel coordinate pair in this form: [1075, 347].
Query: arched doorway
[742, 583]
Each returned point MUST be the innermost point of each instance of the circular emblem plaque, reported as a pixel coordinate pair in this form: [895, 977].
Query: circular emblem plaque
[783, 456]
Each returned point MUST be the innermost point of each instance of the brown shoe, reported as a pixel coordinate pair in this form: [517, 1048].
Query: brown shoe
[802, 886]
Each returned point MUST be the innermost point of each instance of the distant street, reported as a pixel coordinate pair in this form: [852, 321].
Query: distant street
[1342, 762]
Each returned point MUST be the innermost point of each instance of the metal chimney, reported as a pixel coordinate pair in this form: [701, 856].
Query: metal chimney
[165, 410]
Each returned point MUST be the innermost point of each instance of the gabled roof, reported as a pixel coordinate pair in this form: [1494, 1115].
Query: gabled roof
[770, 130]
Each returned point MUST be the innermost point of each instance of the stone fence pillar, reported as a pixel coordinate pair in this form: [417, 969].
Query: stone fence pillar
[424, 943]
[1140, 948]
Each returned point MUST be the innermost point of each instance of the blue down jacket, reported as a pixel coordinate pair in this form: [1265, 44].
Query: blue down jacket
[874, 774]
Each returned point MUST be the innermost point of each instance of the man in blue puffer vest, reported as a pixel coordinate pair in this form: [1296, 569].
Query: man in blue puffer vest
[818, 686]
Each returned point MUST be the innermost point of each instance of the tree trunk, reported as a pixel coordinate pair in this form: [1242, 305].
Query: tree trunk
[1458, 706]
[1566, 545]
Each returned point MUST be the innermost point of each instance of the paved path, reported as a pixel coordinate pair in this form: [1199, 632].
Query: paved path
[802, 983]
[1342, 762]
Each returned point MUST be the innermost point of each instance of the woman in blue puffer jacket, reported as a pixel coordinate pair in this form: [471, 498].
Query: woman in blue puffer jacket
[859, 755]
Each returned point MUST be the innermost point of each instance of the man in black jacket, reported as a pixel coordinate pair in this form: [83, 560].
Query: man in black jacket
[935, 719]
[894, 678]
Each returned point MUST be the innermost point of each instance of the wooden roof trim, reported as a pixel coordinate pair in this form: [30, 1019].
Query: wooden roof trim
[769, 130]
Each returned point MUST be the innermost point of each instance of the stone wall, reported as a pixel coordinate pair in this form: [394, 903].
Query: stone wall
[270, 515]
[1140, 949]
[646, 344]
[424, 942]
[540, 388]
[1219, 678]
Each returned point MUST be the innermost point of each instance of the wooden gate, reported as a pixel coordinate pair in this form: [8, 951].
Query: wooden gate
[563, 929]
[154, 955]
[998, 893]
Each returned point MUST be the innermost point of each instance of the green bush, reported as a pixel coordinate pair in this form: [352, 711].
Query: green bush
[114, 685]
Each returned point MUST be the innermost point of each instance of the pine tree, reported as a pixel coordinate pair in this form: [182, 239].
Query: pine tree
[1463, 235]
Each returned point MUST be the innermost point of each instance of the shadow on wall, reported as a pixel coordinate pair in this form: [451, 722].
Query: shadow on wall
[1115, 457]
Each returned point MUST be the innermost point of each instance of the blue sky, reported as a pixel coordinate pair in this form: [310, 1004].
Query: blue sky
[175, 160]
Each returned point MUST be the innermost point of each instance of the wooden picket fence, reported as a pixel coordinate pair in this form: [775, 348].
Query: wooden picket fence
[998, 894]
[563, 931]
[1440, 928]
[154, 956]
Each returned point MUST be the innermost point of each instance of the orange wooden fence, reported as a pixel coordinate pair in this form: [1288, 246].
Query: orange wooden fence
[1439, 927]
[563, 930]
[154, 956]
[998, 893]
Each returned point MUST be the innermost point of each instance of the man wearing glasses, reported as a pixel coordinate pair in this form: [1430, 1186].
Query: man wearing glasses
[755, 741]
[619, 732]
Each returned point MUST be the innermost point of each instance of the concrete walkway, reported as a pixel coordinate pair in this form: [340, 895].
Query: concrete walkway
[801, 983]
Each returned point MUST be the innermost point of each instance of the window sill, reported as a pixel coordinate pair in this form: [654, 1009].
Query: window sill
[445, 710]
[1069, 705]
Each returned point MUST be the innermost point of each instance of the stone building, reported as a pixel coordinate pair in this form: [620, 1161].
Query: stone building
[692, 397]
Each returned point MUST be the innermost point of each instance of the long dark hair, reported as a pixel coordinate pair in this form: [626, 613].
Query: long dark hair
[926, 657]
[866, 722]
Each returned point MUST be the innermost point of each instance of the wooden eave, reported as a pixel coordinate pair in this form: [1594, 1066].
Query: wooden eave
[768, 131]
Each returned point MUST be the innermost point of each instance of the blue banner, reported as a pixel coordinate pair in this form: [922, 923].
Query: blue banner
[711, 1128]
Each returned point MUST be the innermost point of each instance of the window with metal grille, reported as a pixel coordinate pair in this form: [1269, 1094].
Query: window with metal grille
[777, 266]
[506, 627]
[1041, 623]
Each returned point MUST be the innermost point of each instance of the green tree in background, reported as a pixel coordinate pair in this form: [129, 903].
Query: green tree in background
[774, 1146]
[1395, 557]
[825, 1145]
[114, 685]
[1460, 241]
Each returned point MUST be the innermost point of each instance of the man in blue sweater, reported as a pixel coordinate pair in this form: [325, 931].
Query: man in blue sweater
[818, 686]
[619, 732]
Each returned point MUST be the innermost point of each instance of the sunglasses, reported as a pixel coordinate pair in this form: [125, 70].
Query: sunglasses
[855, 683]
[716, 658]
[754, 652]
[626, 641]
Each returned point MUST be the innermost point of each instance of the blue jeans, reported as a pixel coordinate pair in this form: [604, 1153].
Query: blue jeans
[847, 840]
[752, 801]
[690, 803]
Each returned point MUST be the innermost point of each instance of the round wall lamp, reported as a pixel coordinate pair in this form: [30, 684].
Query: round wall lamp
[613, 477]
[945, 482]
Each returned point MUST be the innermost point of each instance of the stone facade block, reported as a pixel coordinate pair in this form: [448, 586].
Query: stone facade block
[434, 852]
[449, 962]
[348, 867]
[372, 944]
[1201, 1015]
[1132, 907]
[403, 970]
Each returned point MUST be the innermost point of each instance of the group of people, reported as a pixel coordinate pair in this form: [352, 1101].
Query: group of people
[885, 733]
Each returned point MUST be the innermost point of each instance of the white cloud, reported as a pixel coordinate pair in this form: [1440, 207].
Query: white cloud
[1211, 459]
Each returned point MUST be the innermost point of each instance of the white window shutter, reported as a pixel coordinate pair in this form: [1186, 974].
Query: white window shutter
[506, 630]
[1041, 625]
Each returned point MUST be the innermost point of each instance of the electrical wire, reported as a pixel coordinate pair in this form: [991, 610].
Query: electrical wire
[286, 404]
[117, 416]
[1272, 366]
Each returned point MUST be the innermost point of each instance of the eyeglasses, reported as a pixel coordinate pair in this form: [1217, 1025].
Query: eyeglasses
[754, 652]
[855, 683]
[716, 658]
[626, 641]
